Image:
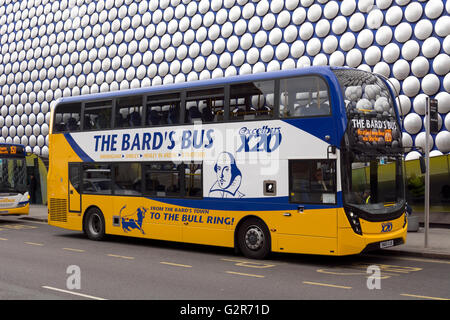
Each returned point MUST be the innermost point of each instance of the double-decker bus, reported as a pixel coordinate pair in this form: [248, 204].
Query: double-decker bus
[301, 161]
[14, 197]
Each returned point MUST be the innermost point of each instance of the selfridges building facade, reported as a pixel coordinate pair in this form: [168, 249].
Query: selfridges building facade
[52, 49]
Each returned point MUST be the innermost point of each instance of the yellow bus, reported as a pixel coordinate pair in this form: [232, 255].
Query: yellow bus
[14, 197]
[287, 161]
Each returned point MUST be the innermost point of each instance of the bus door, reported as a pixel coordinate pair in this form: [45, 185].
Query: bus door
[313, 224]
[75, 175]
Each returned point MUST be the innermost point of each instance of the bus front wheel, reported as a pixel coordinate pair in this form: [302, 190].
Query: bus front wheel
[94, 224]
[254, 239]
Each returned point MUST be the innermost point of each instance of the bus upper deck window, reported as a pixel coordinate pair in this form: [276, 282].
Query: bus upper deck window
[128, 112]
[97, 115]
[304, 97]
[206, 105]
[252, 100]
[67, 118]
[163, 109]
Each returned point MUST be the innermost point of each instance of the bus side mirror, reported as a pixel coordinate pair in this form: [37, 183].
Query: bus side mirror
[423, 166]
[331, 149]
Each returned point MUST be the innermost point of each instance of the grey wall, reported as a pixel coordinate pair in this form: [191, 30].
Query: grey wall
[51, 49]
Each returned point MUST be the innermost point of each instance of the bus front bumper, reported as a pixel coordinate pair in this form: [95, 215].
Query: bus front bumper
[15, 211]
[352, 243]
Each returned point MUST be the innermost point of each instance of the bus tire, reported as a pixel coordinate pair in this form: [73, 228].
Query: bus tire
[254, 239]
[94, 224]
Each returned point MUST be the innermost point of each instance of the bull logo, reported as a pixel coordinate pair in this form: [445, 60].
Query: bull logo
[133, 220]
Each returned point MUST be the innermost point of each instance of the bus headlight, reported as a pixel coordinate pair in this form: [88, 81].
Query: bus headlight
[24, 200]
[354, 222]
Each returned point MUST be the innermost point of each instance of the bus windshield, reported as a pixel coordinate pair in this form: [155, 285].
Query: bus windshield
[374, 184]
[372, 120]
[13, 175]
[372, 154]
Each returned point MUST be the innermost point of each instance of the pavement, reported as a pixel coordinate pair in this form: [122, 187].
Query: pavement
[438, 238]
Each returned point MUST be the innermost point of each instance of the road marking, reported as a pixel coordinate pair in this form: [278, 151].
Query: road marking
[340, 273]
[74, 250]
[29, 220]
[416, 259]
[384, 276]
[245, 274]
[17, 226]
[74, 293]
[326, 285]
[249, 264]
[4, 239]
[118, 256]
[176, 264]
[34, 243]
[422, 297]
[386, 269]
[34, 221]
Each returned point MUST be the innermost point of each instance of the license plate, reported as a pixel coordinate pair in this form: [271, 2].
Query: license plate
[386, 244]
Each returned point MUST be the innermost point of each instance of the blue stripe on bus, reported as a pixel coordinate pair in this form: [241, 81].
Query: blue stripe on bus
[83, 155]
[244, 204]
[318, 127]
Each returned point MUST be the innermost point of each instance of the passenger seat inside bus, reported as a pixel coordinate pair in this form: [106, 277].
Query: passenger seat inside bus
[135, 119]
[120, 121]
[153, 117]
[101, 122]
[174, 114]
[264, 111]
[88, 123]
[165, 114]
[72, 125]
[207, 114]
[194, 113]
[313, 109]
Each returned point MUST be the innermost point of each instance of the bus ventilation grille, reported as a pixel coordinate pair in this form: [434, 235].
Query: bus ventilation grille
[58, 210]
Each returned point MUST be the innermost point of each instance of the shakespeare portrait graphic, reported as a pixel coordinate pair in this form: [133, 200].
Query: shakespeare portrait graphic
[229, 178]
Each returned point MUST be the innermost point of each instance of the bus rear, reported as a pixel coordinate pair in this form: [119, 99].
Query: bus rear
[373, 188]
[14, 197]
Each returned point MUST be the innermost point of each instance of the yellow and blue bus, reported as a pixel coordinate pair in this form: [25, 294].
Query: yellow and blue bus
[14, 197]
[301, 161]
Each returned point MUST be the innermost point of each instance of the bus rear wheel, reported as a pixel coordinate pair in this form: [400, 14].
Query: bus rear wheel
[254, 239]
[94, 224]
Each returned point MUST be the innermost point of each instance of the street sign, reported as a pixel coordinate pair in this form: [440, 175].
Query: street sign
[434, 124]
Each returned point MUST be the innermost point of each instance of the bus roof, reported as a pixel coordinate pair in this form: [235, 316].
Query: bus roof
[321, 70]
